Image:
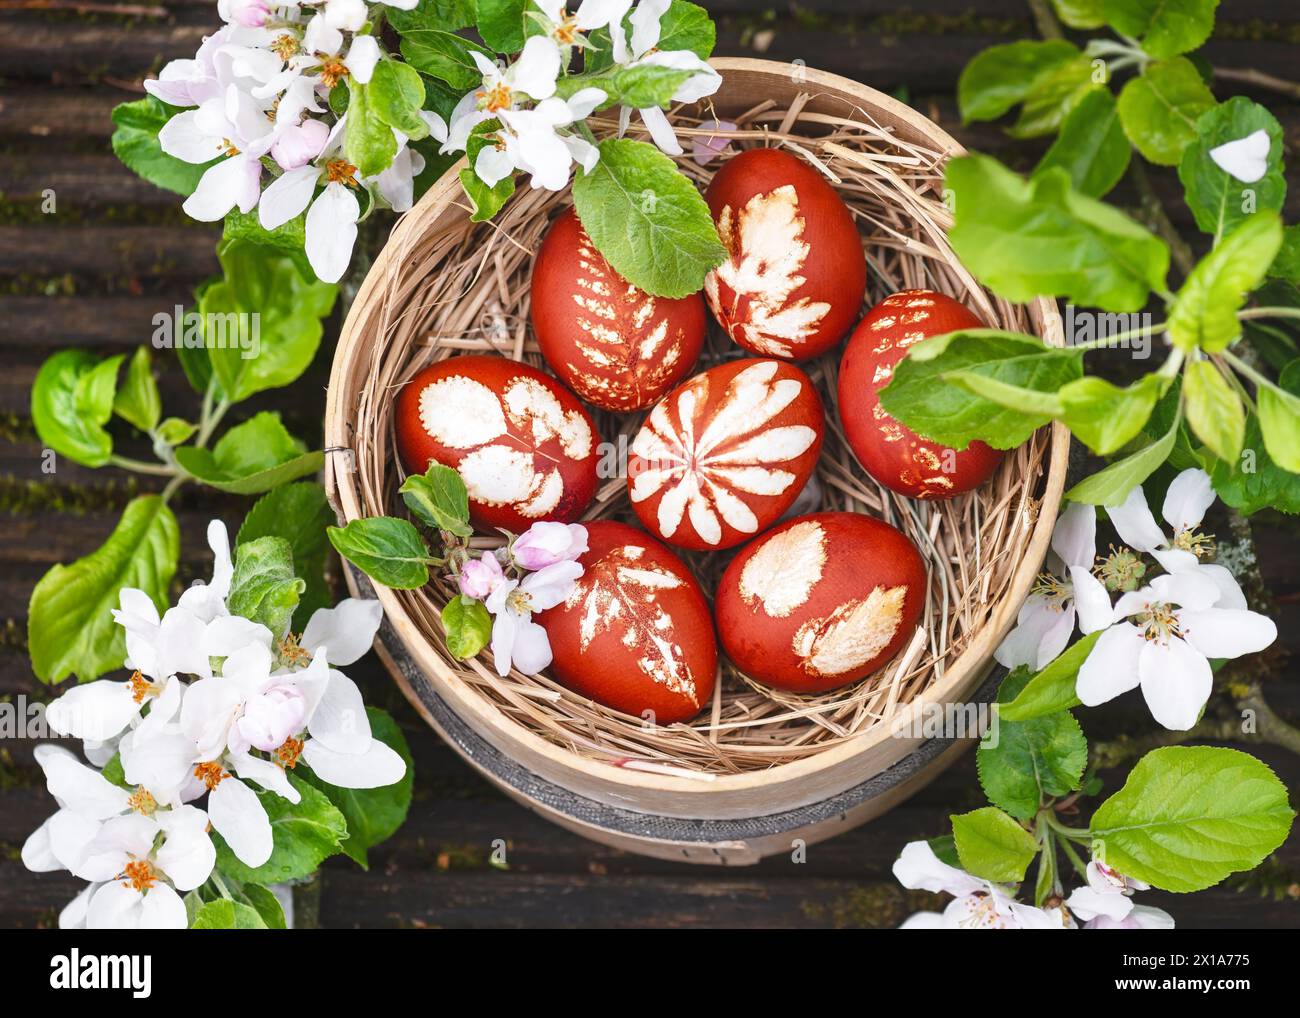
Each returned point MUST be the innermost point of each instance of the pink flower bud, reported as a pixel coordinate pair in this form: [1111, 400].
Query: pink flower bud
[299, 145]
[480, 577]
[249, 13]
[544, 544]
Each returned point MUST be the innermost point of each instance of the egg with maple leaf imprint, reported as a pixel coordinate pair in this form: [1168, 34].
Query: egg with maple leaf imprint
[894, 455]
[523, 444]
[795, 274]
[636, 633]
[724, 454]
[616, 346]
[820, 601]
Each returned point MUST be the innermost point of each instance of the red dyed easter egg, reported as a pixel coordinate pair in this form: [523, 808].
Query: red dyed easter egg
[820, 601]
[795, 273]
[523, 444]
[723, 455]
[616, 346]
[894, 455]
[636, 634]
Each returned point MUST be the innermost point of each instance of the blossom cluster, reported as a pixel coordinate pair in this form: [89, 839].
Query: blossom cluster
[257, 105]
[217, 706]
[1159, 636]
[536, 571]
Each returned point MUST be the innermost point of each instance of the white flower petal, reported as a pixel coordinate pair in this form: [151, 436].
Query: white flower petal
[267, 774]
[1134, 523]
[239, 817]
[1112, 667]
[115, 906]
[1091, 600]
[73, 915]
[1074, 537]
[161, 762]
[229, 634]
[363, 55]
[340, 721]
[924, 921]
[332, 231]
[233, 182]
[1088, 903]
[162, 909]
[37, 853]
[584, 102]
[1192, 590]
[96, 711]
[1189, 495]
[535, 71]
[661, 131]
[493, 165]
[378, 766]
[1056, 638]
[1246, 158]
[184, 137]
[532, 648]
[1176, 682]
[187, 854]
[77, 787]
[1227, 632]
[286, 196]
[1230, 595]
[645, 24]
[347, 630]
[918, 868]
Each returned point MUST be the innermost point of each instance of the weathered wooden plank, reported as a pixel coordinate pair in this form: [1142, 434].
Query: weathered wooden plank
[81, 181]
[124, 253]
[59, 114]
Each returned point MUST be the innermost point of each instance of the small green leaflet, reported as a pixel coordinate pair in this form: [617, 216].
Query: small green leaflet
[138, 401]
[70, 626]
[396, 96]
[1105, 417]
[647, 219]
[468, 627]
[439, 499]
[72, 400]
[299, 513]
[1111, 485]
[1052, 689]
[1279, 417]
[1188, 816]
[1091, 147]
[445, 56]
[368, 142]
[992, 846]
[227, 914]
[1160, 108]
[264, 587]
[932, 388]
[1080, 13]
[1165, 27]
[251, 457]
[1026, 239]
[390, 551]
[1214, 410]
[1001, 77]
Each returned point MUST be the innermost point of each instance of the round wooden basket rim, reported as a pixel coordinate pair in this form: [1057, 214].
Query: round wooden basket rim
[342, 488]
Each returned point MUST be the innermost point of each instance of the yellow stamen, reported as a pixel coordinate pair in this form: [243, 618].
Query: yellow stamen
[332, 71]
[340, 171]
[210, 774]
[139, 874]
[142, 688]
[285, 46]
[496, 98]
[287, 754]
[143, 802]
[293, 652]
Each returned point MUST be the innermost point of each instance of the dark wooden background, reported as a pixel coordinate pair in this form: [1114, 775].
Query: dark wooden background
[118, 250]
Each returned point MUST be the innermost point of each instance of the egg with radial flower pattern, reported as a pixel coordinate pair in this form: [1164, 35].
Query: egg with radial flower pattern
[894, 455]
[795, 274]
[616, 346]
[636, 633]
[523, 444]
[820, 601]
[723, 455]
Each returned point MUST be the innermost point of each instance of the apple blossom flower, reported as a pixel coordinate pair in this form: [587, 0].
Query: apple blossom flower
[191, 81]
[546, 543]
[517, 640]
[479, 577]
[1190, 494]
[977, 904]
[1161, 640]
[1106, 902]
[1066, 592]
[249, 13]
[643, 51]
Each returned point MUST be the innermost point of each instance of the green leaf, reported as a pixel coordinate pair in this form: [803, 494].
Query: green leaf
[373, 815]
[1287, 263]
[72, 400]
[388, 550]
[1080, 13]
[1218, 200]
[1021, 763]
[1253, 481]
[468, 627]
[647, 219]
[920, 396]
[439, 498]
[70, 628]
[303, 836]
[1188, 816]
[289, 239]
[992, 846]
[174, 431]
[227, 914]
[1105, 417]
[368, 142]
[251, 458]
[1053, 96]
[265, 903]
[1279, 418]
[396, 95]
[1026, 239]
[1204, 315]
[138, 402]
[642, 86]
[503, 23]
[299, 513]
[485, 202]
[448, 15]
[1001, 77]
[1052, 689]
[1091, 147]
[1165, 27]
[264, 587]
[135, 142]
[687, 26]
[1159, 109]
[945, 849]
[1111, 485]
[444, 56]
[1214, 410]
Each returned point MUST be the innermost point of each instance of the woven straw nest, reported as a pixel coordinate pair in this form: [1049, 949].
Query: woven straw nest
[466, 290]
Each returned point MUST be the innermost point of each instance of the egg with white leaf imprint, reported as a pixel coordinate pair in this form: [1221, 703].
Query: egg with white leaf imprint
[820, 601]
[523, 444]
[795, 273]
[723, 455]
[635, 634]
[615, 345]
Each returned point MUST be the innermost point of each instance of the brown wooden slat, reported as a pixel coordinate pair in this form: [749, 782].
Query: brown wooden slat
[116, 251]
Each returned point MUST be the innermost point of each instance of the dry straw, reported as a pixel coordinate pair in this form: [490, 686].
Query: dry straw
[465, 288]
